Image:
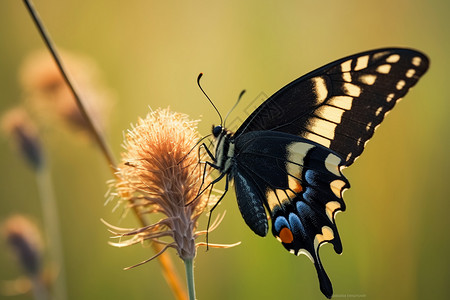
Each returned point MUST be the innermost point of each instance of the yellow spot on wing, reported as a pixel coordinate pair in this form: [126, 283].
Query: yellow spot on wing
[346, 66]
[318, 139]
[384, 69]
[331, 113]
[331, 208]
[400, 84]
[278, 196]
[320, 89]
[352, 89]
[332, 164]
[327, 235]
[410, 73]
[347, 76]
[368, 79]
[272, 199]
[344, 102]
[393, 58]
[322, 127]
[348, 156]
[390, 97]
[378, 111]
[296, 152]
[294, 165]
[336, 187]
[416, 61]
[362, 62]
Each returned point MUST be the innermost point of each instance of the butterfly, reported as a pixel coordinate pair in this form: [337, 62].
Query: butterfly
[287, 157]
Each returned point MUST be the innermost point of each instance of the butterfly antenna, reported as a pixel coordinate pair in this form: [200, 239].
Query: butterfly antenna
[234, 106]
[199, 85]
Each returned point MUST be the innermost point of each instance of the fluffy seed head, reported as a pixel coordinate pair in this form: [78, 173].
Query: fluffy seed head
[160, 174]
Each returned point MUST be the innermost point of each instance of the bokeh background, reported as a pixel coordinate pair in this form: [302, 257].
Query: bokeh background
[395, 230]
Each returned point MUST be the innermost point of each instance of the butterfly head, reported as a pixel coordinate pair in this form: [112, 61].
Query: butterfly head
[217, 130]
[220, 133]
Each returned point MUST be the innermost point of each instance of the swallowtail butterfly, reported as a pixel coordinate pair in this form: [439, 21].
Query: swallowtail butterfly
[286, 159]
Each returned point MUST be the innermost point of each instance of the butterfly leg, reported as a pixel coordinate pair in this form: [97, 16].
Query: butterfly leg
[203, 145]
[207, 163]
[200, 190]
[217, 203]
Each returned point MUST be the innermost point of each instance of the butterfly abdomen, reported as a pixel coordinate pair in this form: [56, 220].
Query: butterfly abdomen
[250, 203]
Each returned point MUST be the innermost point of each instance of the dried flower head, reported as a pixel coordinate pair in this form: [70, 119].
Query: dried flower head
[160, 174]
[25, 239]
[17, 124]
[49, 94]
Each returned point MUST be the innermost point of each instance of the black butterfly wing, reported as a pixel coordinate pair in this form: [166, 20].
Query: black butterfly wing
[300, 184]
[340, 104]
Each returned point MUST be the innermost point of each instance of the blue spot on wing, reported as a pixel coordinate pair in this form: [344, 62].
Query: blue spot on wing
[297, 227]
[280, 222]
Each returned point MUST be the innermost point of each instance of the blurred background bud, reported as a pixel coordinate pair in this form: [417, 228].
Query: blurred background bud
[17, 124]
[50, 97]
[24, 238]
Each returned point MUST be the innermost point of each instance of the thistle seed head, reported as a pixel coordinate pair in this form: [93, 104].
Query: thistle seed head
[160, 174]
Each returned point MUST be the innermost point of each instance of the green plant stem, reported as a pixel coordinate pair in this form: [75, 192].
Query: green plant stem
[189, 266]
[38, 289]
[52, 229]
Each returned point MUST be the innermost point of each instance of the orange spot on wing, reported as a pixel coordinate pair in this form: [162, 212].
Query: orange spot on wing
[298, 188]
[286, 235]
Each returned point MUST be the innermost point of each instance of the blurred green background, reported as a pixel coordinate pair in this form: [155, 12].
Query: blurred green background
[395, 229]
